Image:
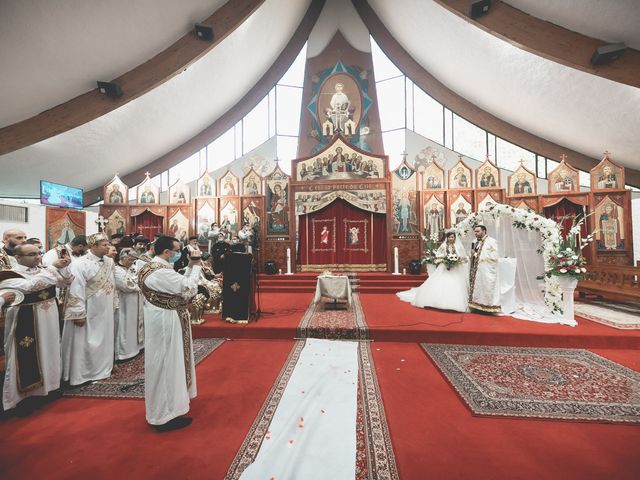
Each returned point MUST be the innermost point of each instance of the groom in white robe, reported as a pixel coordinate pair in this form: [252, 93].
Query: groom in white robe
[128, 316]
[169, 371]
[32, 330]
[484, 291]
[88, 332]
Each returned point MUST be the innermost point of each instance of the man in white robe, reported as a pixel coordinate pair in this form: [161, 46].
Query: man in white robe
[129, 315]
[169, 371]
[11, 239]
[32, 330]
[88, 332]
[484, 291]
[75, 249]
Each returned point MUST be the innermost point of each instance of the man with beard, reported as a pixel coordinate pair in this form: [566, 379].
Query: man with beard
[11, 239]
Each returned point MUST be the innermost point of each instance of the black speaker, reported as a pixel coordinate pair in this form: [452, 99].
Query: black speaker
[110, 89]
[415, 267]
[204, 32]
[270, 267]
[479, 8]
[608, 53]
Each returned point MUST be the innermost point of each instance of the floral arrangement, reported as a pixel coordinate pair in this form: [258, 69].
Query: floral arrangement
[431, 244]
[568, 259]
[450, 260]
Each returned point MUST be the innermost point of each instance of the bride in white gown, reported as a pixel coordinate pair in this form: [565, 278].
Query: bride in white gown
[445, 289]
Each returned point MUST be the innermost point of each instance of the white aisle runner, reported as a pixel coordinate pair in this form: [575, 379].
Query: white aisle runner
[313, 431]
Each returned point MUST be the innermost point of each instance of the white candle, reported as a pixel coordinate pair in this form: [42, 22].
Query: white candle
[396, 265]
[289, 272]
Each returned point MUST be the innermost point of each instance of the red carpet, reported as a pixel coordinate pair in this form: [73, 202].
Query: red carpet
[390, 319]
[435, 436]
[105, 439]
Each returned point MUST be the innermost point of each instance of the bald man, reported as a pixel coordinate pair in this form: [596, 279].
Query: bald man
[11, 239]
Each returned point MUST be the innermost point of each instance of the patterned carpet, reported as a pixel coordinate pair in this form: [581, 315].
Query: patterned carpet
[127, 379]
[334, 324]
[375, 458]
[624, 316]
[563, 384]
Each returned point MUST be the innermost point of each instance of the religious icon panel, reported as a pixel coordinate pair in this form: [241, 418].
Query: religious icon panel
[607, 175]
[116, 192]
[205, 217]
[229, 185]
[206, 186]
[563, 178]
[522, 182]
[277, 205]
[433, 176]
[459, 209]
[405, 208]
[252, 184]
[339, 105]
[179, 193]
[148, 192]
[63, 225]
[178, 226]
[116, 223]
[460, 175]
[434, 217]
[487, 175]
[610, 231]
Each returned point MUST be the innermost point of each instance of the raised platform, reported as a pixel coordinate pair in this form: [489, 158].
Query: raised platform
[361, 282]
[391, 320]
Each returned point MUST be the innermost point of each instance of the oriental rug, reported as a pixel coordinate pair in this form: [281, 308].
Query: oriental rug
[549, 383]
[127, 378]
[334, 324]
[624, 316]
[375, 458]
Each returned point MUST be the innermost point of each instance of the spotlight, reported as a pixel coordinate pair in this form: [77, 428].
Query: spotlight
[110, 89]
[204, 32]
[479, 8]
[608, 53]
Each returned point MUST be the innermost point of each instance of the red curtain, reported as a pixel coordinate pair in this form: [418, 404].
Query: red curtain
[148, 224]
[341, 234]
[569, 211]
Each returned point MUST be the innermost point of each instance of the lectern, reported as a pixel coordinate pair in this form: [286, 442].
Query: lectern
[238, 288]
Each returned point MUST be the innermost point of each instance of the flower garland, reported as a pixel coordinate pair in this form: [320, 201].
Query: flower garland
[523, 219]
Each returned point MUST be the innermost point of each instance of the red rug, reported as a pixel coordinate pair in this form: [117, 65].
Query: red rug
[561, 384]
[127, 379]
[375, 458]
[435, 436]
[334, 324]
[79, 438]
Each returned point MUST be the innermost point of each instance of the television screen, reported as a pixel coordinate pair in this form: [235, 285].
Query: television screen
[60, 195]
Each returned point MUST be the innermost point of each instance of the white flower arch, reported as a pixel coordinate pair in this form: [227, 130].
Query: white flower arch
[522, 219]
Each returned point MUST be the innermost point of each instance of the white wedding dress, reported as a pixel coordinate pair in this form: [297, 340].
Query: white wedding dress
[445, 289]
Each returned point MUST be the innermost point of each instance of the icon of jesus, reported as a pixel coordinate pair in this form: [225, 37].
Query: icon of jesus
[324, 236]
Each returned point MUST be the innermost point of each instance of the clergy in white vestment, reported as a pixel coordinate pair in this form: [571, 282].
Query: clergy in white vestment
[11, 239]
[75, 249]
[128, 315]
[484, 289]
[169, 371]
[88, 332]
[32, 329]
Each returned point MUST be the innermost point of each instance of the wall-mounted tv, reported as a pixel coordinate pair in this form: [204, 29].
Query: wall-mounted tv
[60, 195]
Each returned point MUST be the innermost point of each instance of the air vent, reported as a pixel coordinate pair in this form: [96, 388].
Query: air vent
[11, 213]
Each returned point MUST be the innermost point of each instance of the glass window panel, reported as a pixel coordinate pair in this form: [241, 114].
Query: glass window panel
[585, 179]
[448, 128]
[221, 151]
[203, 161]
[409, 103]
[288, 101]
[295, 75]
[542, 167]
[551, 165]
[391, 103]
[272, 112]
[509, 156]
[491, 146]
[469, 139]
[287, 148]
[383, 68]
[255, 126]
[132, 194]
[187, 170]
[427, 114]
[394, 146]
[164, 180]
[237, 152]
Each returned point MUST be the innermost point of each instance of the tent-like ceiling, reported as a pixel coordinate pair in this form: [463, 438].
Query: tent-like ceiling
[53, 51]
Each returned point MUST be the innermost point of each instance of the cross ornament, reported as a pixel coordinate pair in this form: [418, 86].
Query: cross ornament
[563, 158]
[235, 287]
[101, 222]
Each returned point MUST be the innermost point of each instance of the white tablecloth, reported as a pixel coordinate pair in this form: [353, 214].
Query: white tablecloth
[335, 287]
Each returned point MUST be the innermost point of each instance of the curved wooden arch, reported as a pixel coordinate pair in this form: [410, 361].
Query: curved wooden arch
[234, 114]
[550, 41]
[164, 66]
[463, 107]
